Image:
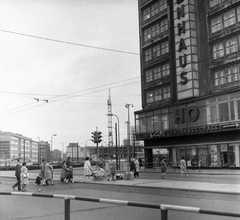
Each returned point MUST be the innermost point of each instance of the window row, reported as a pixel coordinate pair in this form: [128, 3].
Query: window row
[156, 51]
[224, 111]
[215, 2]
[154, 9]
[155, 30]
[158, 94]
[157, 121]
[228, 75]
[226, 47]
[157, 72]
[225, 20]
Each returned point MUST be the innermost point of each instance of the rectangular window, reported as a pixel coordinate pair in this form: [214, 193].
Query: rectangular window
[149, 77]
[238, 108]
[157, 95]
[164, 47]
[218, 51]
[157, 72]
[214, 3]
[165, 70]
[165, 122]
[232, 110]
[154, 9]
[150, 124]
[157, 122]
[233, 74]
[162, 5]
[229, 18]
[223, 112]
[155, 30]
[149, 96]
[146, 14]
[238, 13]
[164, 26]
[147, 34]
[148, 55]
[219, 78]
[166, 92]
[156, 51]
[231, 46]
[216, 24]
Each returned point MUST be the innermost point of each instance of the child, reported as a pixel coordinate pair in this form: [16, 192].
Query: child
[70, 175]
[38, 181]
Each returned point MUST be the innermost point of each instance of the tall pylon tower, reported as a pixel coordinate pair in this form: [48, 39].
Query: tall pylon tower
[110, 136]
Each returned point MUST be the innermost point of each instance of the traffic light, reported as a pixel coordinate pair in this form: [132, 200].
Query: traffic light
[99, 136]
[96, 136]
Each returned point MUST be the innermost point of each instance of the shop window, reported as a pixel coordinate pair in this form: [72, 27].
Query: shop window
[181, 152]
[223, 112]
[216, 24]
[218, 51]
[231, 46]
[234, 155]
[214, 3]
[229, 18]
[224, 155]
[219, 78]
[191, 157]
[214, 156]
[202, 155]
[233, 74]
[238, 109]
[149, 77]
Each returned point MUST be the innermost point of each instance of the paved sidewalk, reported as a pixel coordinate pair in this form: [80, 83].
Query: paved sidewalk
[165, 184]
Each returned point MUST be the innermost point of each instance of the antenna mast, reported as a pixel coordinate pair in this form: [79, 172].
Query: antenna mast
[110, 136]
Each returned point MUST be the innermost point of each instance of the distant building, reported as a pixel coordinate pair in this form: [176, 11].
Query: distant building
[57, 156]
[75, 152]
[190, 80]
[14, 146]
[44, 151]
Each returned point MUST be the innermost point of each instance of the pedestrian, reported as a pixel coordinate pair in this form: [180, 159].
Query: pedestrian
[132, 167]
[48, 173]
[183, 167]
[18, 175]
[68, 162]
[87, 170]
[112, 169]
[136, 168]
[64, 172]
[42, 169]
[140, 162]
[70, 175]
[38, 181]
[163, 166]
[24, 176]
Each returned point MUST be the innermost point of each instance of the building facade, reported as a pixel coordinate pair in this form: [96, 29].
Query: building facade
[190, 64]
[14, 146]
[44, 151]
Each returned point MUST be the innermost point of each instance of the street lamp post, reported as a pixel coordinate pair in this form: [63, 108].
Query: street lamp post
[86, 148]
[52, 146]
[116, 145]
[128, 132]
[118, 136]
[38, 151]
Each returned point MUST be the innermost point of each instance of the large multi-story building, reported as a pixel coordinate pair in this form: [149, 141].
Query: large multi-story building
[14, 146]
[190, 66]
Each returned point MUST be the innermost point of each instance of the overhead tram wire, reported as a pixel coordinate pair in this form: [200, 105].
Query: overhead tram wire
[67, 42]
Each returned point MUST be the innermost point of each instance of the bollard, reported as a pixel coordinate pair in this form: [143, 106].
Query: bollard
[67, 209]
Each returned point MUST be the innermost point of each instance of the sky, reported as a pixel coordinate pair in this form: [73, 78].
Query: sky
[70, 53]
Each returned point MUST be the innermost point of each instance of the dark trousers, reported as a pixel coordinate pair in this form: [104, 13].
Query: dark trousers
[18, 183]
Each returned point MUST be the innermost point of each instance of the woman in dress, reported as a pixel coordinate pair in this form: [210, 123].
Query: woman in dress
[64, 172]
[163, 167]
[24, 176]
[87, 169]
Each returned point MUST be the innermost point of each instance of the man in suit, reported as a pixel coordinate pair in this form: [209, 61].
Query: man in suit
[18, 175]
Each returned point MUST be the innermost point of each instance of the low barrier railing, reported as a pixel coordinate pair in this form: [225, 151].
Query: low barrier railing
[162, 207]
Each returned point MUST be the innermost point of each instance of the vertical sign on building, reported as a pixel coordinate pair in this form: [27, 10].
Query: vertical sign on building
[186, 49]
